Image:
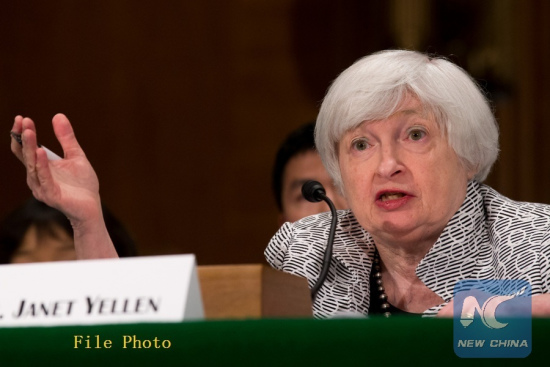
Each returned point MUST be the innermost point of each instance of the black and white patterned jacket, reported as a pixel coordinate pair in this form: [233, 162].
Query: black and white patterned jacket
[489, 237]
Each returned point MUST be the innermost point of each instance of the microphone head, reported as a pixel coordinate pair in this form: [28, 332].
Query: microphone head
[311, 190]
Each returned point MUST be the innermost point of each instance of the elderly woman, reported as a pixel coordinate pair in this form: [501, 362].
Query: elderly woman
[408, 139]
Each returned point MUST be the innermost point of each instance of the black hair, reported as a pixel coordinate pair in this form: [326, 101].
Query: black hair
[298, 141]
[43, 217]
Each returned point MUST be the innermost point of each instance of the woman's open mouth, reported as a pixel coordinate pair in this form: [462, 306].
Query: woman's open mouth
[391, 196]
[391, 199]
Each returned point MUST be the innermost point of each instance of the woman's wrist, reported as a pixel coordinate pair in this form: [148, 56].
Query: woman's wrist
[91, 238]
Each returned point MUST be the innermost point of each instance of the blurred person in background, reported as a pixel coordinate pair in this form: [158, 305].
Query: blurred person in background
[296, 162]
[34, 232]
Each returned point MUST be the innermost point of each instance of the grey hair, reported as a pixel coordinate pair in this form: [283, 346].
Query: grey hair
[373, 88]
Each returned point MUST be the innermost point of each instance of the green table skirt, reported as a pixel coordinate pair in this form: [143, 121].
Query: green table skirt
[402, 341]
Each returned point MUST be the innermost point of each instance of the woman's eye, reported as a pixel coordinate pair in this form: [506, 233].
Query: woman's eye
[416, 134]
[360, 144]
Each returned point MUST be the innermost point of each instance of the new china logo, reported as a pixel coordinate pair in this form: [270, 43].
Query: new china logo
[492, 319]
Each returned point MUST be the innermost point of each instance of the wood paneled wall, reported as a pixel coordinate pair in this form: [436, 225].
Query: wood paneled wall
[180, 105]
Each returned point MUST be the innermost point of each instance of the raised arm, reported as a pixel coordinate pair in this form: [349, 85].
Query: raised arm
[69, 184]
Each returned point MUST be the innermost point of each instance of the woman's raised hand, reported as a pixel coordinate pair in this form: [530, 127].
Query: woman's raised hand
[69, 184]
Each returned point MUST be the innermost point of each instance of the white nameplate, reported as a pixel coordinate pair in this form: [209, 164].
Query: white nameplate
[127, 290]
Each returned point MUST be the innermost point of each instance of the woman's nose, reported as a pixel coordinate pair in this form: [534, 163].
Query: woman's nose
[389, 164]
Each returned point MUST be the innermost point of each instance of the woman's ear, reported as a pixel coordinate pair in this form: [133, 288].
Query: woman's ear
[470, 170]
[470, 173]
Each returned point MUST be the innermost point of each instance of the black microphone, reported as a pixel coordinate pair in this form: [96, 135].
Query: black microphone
[314, 192]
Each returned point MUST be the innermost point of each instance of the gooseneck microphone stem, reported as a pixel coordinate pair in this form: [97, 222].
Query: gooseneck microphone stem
[314, 192]
[328, 251]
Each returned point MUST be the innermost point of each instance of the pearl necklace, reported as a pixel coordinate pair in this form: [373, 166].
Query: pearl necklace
[377, 277]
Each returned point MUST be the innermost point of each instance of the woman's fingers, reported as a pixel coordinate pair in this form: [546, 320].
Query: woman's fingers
[28, 136]
[65, 134]
[44, 189]
[34, 159]
[29, 157]
[17, 128]
[447, 310]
